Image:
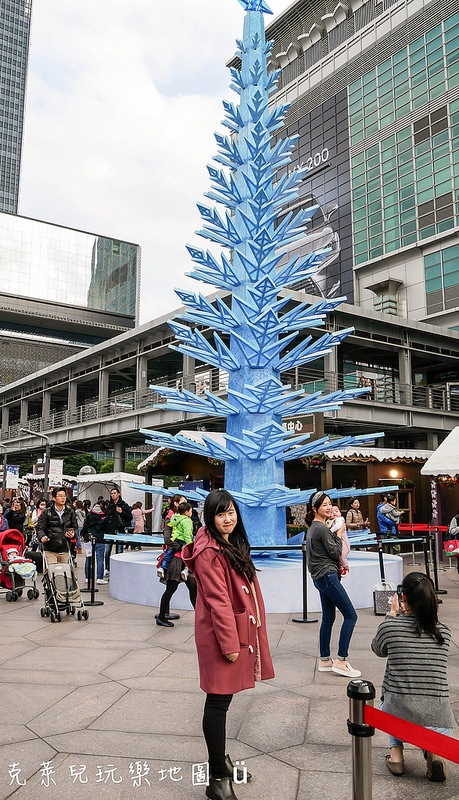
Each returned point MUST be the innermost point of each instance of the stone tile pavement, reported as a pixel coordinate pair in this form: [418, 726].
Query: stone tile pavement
[101, 702]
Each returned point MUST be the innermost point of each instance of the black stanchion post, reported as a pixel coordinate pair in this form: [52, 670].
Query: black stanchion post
[433, 539]
[426, 555]
[304, 618]
[359, 693]
[92, 577]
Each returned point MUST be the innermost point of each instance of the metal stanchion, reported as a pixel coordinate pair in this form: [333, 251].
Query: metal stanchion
[359, 693]
[413, 562]
[426, 555]
[433, 536]
[92, 578]
[304, 618]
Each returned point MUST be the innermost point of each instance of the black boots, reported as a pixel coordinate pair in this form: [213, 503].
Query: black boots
[220, 789]
[240, 772]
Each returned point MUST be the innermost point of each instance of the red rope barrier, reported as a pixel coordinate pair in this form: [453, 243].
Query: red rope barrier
[433, 742]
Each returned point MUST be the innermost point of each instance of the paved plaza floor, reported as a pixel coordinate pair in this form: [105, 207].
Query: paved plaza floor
[96, 709]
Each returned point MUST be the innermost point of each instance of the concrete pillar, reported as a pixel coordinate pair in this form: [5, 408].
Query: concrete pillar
[46, 405]
[189, 370]
[405, 377]
[24, 413]
[432, 440]
[72, 395]
[326, 477]
[5, 418]
[331, 370]
[104, 378]
[141, 373]
[119, 457]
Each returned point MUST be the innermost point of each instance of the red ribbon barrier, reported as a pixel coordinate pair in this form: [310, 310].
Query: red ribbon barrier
[433, 742]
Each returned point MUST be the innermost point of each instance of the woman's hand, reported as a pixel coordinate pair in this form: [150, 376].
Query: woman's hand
[394, 606]
[231, 656]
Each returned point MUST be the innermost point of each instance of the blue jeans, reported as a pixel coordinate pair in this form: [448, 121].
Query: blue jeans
[100, 550]
[108, 551]
[332, 597]
[78, 537]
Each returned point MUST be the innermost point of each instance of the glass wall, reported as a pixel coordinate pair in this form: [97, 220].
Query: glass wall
[49, 262]
[442, 279]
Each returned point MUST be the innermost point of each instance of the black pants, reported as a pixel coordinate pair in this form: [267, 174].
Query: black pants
[171, 588]
[214, 728]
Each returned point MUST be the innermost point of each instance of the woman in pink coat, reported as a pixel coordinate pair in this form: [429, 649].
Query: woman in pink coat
[230, 628]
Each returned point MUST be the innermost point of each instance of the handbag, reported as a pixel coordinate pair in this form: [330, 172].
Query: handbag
[451, 547]
[382, 598]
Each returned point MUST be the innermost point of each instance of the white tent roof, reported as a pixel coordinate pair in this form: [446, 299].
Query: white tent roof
[445, 459]
[379, 453]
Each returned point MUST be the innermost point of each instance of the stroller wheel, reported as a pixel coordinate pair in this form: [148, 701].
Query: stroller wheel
[36, 594]
[9, 597]
[79, 614]
[52, 616]
[58, 617]
[14, 597]
[43, 612]
[48, 611]
[19, 592]
[67, 610]
[30, 594]
[72, 610]
[85, 614]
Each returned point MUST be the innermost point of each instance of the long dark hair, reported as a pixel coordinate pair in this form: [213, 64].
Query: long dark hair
[237, 548]
[422, 600]
[315, 502]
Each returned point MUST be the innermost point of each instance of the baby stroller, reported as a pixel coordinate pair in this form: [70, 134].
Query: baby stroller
[14, 568]
[61, 591]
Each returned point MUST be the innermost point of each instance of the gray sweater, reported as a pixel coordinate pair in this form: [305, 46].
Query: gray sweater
[415, 685]
[324, 550]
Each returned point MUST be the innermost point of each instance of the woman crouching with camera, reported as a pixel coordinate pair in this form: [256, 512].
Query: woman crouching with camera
[230, 629]
[415, 685]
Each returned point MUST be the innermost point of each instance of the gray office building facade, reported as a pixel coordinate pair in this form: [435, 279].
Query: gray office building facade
[14, 52]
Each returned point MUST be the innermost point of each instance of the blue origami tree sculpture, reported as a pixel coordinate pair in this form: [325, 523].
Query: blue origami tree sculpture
[247, 181]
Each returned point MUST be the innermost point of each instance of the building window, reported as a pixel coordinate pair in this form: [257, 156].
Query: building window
[442, 279]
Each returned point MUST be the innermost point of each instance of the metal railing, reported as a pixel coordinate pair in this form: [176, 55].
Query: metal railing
[382, 390]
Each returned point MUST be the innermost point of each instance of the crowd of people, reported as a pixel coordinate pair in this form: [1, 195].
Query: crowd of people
[213, 559]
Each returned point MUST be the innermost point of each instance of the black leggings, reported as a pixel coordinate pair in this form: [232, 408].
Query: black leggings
[214, 728]
[171, 588]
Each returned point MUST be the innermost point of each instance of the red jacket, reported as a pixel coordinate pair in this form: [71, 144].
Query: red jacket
[225, 620]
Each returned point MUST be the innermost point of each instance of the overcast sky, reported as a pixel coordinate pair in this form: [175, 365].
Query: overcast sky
[123, 99]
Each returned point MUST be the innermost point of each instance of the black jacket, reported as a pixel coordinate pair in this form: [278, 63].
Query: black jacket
[96, 525]
[15, 520]
[49, 524]
[118, 522]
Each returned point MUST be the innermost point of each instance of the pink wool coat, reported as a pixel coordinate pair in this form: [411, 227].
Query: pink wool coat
[225, 620]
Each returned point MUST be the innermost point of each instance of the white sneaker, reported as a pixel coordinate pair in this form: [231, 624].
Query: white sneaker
[160, 572]
[184, 573]
[101, 580]
[325, 666]
[106, 572]
[345, 669]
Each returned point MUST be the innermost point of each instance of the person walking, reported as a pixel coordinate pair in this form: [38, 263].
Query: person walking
[56, 528]
[415, 685]
[230, 628]
[324, 548]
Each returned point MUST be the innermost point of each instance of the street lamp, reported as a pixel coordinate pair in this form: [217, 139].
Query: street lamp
[4, 471]
[46, 475]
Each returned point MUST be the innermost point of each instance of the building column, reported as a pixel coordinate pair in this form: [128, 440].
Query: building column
[5, 418]
[326, 476]
[141, 373]
[46, 405]
[405, 378]
[104, 379]
[189, 370]
[432, 440]
[72, 395]
[331, 370]
[119, 456]
[24, 413]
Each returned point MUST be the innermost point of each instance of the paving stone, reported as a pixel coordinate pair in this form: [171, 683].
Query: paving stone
[9, 732]
[137, 664]
[153, 712]
[9, 652]
[25, 705]
[49, 678]
[100, 631]
[275, 721]
[292, 669]
[27, 756]
[78, 710]
[65, 659]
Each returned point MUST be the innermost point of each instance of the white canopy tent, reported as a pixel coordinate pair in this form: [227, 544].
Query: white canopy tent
[445, 459]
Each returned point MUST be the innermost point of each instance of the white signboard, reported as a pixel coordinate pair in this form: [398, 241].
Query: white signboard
[56, 470]
[12, 477]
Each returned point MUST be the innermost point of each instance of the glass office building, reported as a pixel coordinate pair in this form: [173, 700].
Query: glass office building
[373, 89]
[14, 51]
[48, 262]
